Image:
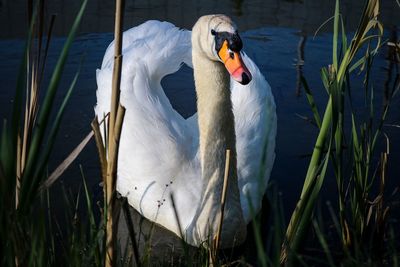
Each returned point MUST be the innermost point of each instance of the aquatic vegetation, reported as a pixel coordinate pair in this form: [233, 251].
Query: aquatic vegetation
[362, 217]
[26, 145]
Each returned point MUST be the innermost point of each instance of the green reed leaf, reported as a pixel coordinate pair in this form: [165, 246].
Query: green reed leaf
[335, 35]
[311, 102]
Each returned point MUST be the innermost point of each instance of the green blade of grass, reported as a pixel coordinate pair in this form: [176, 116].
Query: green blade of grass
[261, 255]
[325, 78]
[335, 36]
[324, 244]
[302, 216]
[344, 37]
[319, 147]
[311, 102]
[5, 150]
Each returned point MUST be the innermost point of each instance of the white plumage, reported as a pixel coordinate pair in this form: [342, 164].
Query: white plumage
[159, 149]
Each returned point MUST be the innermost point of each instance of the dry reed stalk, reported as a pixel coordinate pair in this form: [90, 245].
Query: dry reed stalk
[131, 231]
[66, 162]
[100, 147]
[171, 196]
[34, 60]
[222, 207]
[19, 173]
[31, 105]
[117, 113]
[110, 187]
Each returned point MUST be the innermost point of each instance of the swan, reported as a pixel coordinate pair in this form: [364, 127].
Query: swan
[162, 153]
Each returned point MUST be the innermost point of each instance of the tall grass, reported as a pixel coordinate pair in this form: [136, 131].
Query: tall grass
[362, 217]
[26, 145]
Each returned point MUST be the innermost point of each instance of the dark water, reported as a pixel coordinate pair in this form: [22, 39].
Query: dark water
[304, 15]
[277, 35]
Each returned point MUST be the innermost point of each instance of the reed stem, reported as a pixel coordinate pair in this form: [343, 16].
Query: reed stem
[117, 113]
[223, 198]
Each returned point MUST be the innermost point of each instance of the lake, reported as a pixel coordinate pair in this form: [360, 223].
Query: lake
[278, 35]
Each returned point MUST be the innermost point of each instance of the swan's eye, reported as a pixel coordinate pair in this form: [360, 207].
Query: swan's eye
[213, 32]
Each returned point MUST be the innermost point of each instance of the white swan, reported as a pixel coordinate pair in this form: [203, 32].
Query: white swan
[162, 153]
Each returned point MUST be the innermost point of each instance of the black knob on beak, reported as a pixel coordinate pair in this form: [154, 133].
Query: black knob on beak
[235, 43]
[245, 78]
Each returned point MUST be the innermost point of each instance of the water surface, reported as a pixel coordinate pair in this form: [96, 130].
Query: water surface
[278, 35]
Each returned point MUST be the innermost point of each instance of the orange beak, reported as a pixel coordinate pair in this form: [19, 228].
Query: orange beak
[234, 64]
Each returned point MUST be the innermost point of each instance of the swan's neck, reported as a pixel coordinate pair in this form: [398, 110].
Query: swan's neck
[215, 116]
[217, 134]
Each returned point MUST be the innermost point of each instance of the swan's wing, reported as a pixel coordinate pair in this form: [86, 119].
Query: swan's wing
[165, 39]
[158, 146]
[255, 126]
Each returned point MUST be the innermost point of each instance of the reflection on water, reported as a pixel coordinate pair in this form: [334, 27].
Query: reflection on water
[238, 7]
[300, 62]
[393, 61]
[306, 15]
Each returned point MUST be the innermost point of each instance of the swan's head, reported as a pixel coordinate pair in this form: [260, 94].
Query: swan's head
[216, 37]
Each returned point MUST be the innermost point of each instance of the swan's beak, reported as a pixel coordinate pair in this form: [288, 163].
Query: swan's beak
[234, 64]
